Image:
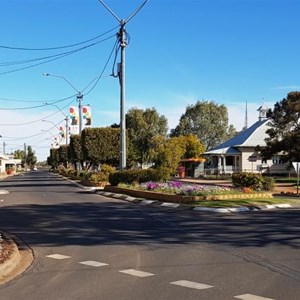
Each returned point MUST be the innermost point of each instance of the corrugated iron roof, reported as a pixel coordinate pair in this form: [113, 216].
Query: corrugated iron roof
[251, 137]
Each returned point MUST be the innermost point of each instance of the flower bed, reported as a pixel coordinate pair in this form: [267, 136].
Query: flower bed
[175, 191]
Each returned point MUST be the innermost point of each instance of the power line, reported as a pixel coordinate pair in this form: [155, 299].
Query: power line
[102, 72]
[58, 47]
[57, 56]
[5, 64]
[37, 106]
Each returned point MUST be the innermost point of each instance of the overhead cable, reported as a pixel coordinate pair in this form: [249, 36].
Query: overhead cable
[59, 47]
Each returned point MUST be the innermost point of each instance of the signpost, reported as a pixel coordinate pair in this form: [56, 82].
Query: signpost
[252, 159]
[296, 166]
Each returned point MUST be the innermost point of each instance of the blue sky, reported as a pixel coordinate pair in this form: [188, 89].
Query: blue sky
[180, 51]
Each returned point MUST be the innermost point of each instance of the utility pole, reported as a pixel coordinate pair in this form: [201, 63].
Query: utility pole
[121, 74]
[25, 157]
[67, 129]
[123, 44]
[4, 144]
[79, 99]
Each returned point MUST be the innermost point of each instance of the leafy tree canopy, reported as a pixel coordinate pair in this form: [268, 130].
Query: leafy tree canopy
[142, 126]
[208, 121]
[284, 132]
[30, 157]
[170, 151]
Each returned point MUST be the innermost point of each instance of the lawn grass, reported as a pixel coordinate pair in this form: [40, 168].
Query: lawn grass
[244, 202]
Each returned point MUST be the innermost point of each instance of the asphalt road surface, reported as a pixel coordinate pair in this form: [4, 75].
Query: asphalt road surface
[87, 246]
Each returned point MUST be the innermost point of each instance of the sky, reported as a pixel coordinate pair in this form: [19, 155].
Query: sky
[232, 52]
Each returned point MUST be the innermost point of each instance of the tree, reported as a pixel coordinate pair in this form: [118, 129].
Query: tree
[208, 121]
[30, 157]
[284, 131]
[142, 126]
[19, 154]
[63, 155]
[75, 151]
[100, 145]
[53, 158]
[170, 151]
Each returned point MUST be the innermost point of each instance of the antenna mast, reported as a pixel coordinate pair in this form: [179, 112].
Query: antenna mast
[121, 74]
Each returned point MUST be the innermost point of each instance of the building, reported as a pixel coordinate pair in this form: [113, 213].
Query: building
[238, 153]
[8, 164]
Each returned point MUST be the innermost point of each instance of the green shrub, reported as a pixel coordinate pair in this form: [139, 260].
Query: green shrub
[61, 170]
[253, 181]
[268, 183]
[134, 176]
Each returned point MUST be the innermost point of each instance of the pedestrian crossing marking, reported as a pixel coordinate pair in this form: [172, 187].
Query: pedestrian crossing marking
[191, 284]
[93, 263]
[58, 256]
[251, 297]
[136, 273]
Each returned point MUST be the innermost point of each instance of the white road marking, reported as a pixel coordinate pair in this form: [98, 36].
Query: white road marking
[136, 273]
[168, 204]
[251, 297]
[130, 198]
[58, 256]
[147, 202]
[284, 205]
[107, 194]
[270, 206]
[92, 263]
[4, 192]
[191, 284]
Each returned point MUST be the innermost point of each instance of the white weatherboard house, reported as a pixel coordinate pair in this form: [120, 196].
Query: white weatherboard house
[238, 153]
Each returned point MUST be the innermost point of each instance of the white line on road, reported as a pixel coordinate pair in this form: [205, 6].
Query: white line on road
[191, 284]
[146, 202]
[168, 204]
[136, 273]
[58, 256]
[251, 297]
[93, 263]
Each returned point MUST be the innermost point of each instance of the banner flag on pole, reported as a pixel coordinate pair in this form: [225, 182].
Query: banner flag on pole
[87, 116]
[74, 128]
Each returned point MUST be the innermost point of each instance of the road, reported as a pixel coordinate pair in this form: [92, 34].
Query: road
[87, 246]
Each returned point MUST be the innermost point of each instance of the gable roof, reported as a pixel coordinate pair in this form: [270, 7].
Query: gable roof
[251, 137]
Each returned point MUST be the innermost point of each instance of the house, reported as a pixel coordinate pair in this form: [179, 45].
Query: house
[238, 153]
[7, 162]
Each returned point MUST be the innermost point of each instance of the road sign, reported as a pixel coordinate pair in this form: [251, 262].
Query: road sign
[296, 166]
[252, 158]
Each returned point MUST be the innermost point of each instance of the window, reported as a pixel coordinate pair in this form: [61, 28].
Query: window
[277, 160]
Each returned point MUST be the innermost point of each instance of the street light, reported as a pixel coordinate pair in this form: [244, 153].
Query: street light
[51, 123]
[55, 138]
[49, 132]
[66, 119]
[79, 97]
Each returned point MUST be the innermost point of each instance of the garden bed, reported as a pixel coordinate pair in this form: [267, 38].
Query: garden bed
[184, 199]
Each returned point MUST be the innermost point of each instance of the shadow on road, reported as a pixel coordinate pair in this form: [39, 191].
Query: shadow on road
[119, 224]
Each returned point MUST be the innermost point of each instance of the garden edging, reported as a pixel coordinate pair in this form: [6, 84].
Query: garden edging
[181, 198]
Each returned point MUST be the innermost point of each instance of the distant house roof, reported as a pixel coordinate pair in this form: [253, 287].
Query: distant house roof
[251, 137]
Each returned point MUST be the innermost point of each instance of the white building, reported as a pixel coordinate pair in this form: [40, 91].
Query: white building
[7, 162]
[238, 153]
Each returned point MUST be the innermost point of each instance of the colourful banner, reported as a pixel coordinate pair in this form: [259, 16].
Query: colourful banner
[86, 116]
[74, 128]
